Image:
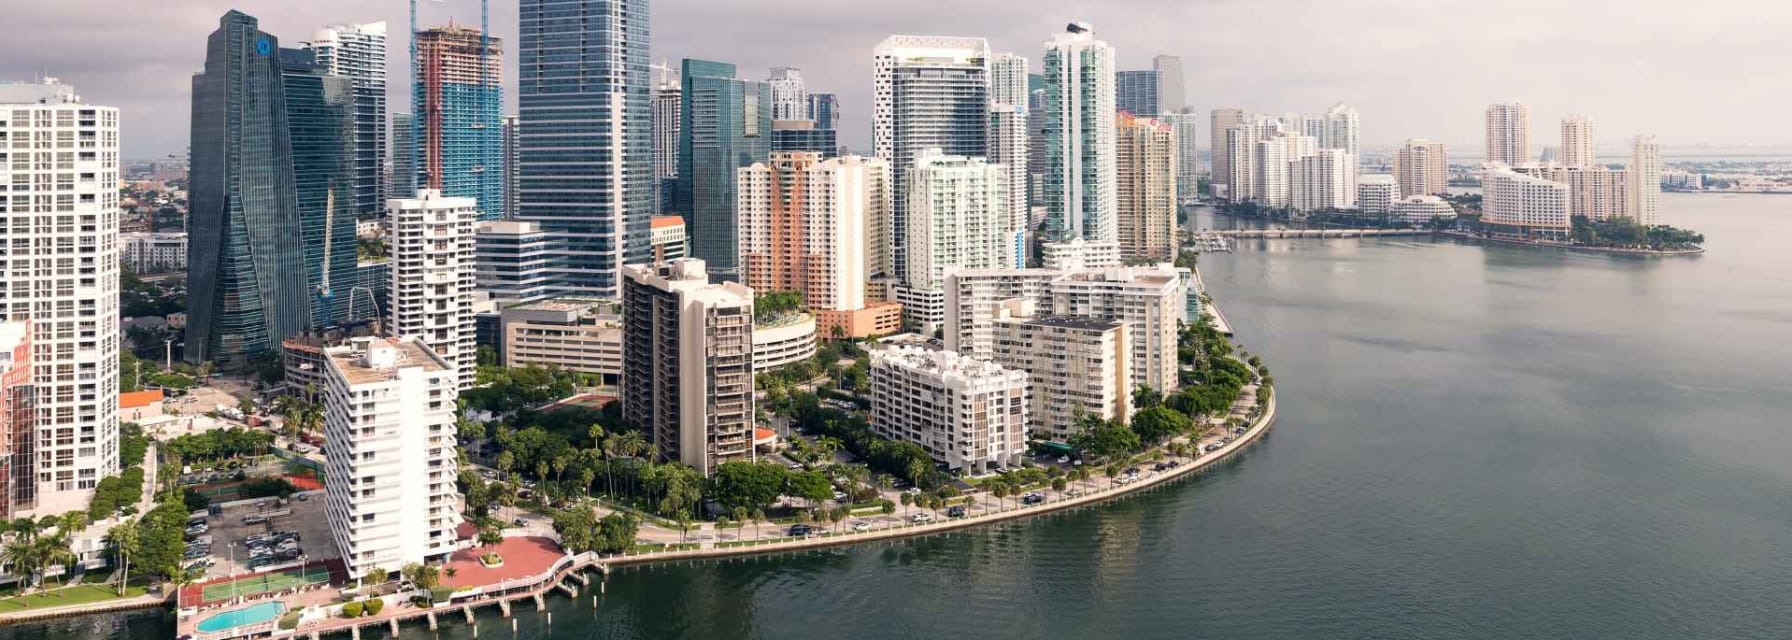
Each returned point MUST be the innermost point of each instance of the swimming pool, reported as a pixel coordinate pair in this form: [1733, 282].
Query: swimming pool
[254, 614]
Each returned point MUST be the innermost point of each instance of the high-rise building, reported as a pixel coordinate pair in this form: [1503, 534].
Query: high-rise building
[932, 92]
[62, 273]
[824, 109]
[1135, 92]
[1147, 188]
[1594, 192]
[509, 153]
[668, 238]
[1187, 125]
[389, 436]
[1577, 141]
[246, 284]
[1323, 181]
[1521, 206]
[789, 98]
[1376, 193]
[802, 221]
[1150, 300]
[802, 135]
[1645, 180]
[1008, 117]
[1079, 115]
[968, 414]
[958, 221]
[1508, 133]
[515, 261]
[668, 101]
[1171, 97]
[460, 126]
[1338, 129]
[1222, 121]
[1075, 367]
[320, 118]
[1422, 167]
[687, 353]
[432, 275]
[587, 134]
[401, 178]
[1271, 167]
[725, 124]
[18, 465]
[358, 52]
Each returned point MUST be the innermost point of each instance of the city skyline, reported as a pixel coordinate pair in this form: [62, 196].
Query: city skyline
[1661, 48]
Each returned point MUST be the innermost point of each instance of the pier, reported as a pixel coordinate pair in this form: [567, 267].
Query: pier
[1307, 233]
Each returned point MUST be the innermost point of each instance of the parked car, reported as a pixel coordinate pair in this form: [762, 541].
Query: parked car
[254, 519]
[955, 511]
[1032, 498]
[801, 530]
[922, 516]
[861, 526]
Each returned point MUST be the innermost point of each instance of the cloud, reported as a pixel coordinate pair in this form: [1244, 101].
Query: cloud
[1693, 74]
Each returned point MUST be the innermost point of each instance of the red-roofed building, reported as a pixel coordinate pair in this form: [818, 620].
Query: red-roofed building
[668, 238]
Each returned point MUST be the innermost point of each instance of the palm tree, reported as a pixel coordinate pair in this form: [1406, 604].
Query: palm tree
[55, 550]
[21, 551]
[124, 538]
[758, 519]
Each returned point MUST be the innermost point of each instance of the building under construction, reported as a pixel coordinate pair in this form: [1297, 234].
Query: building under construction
[458, 98]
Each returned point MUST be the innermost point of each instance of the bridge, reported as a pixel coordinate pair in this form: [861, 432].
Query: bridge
[1309, 233]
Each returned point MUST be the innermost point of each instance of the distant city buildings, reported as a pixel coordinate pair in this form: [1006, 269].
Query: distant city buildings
[1221, 123]
[1376, 193]
[1525, 207]
[458, 100]
[688, 363]
[321, 129]
[802, 135]
[1171, 97]
[1422, 167]
[668, 108]
[515, 261]
[1325, 180]
[401, 178]
[789, 98]
[1187, 126]
[1508, 133]
[957, 220]
[433, 272]
[1577, 141]
[390, 471]
[1419, 210]
[18, 463]
[1008, 140]
[157, 252]
[970, 415]
[1146, 188]
[358, 52]
[1645, 180]
[724, 125]
[574, 334]
[668, 238]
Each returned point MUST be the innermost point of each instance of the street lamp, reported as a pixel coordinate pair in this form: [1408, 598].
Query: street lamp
[232, 547]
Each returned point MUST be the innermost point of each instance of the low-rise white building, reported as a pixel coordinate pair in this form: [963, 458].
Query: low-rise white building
[575, 334]
[968, 414]
[781, 341]
[1376, 193]
[1419, 210]
[389, 427]
[143, 252]
[1517, 205]
[1075, 367]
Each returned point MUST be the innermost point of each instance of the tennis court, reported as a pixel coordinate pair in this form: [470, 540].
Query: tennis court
[263, 583]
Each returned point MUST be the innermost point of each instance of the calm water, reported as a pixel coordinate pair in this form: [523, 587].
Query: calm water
[1475, 442]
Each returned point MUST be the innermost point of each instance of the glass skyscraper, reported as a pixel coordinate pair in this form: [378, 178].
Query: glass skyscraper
[459, 126]
[824, 108]
[585, 148]
[401, 182]
[321, 125]
[246, 286]
[932, 93]
[725, 123]
[358, 52]
[1136, 92]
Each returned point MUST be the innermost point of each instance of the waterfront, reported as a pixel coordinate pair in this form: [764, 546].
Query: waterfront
[1475, 441]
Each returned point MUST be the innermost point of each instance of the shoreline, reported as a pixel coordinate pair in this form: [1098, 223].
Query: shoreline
[1651, 253]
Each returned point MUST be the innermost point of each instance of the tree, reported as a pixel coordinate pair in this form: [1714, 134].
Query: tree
[1000, 491]
[758, 519]
[422, 576]
[374, 575]
[1145, 397]
[812, 486]
[124, 538]
[1106, 441]
[1058, 484]
[1157, 424]
[743, 485]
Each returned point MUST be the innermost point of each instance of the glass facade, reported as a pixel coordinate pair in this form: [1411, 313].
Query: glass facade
[246, 286]
[932, 93]
[1135, 92]
[460, 128]
[725, 124]
[403, 178]
[821, 140]
[585, 148]
[321, 124]
[824, 108]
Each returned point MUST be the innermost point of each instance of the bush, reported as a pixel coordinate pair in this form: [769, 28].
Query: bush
[374, 607]
[440, 594]
[290, 620]
[351, 610]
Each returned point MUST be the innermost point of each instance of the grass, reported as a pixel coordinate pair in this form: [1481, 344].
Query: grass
[78, 594]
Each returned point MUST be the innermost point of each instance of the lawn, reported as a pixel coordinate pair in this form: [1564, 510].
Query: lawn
[79, 594]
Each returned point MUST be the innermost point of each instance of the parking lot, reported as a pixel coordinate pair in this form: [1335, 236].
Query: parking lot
[229, 531]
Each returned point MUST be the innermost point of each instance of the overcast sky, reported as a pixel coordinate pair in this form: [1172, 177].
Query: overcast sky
[1711, 72]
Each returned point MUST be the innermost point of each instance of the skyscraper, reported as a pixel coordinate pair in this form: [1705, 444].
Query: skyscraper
[586, 156]
[667, 108]
[246, 287]
[789, 99]
[1645, 181]
[1338, 129]
[958, 221]
[1146, 195]
[1577, 140]
[358, 52]
[824, 109]
[62, 279]
[401, 179]
[1136, 92]
[802, 228]
[1079, 115]
[1422, 167]
[458, 98]
[802, 135]
[931, 92]
[432, 275]
[509, 153]
[687, 354]
[1008, 118]
[1171, 97]
[1188, 153]
[1508, 133]
[1222, 120]
[322, 127]
[725, 124]
[1321, 181]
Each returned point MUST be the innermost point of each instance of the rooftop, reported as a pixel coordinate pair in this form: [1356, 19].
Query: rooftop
[367, 361]
[945, 363]
[1071, 322]
[662, 222]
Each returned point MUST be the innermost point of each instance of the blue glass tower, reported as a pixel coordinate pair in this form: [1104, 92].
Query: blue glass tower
[459, 124]
[585, 137]
[725, 124]
[321, 122]
[246, 287]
